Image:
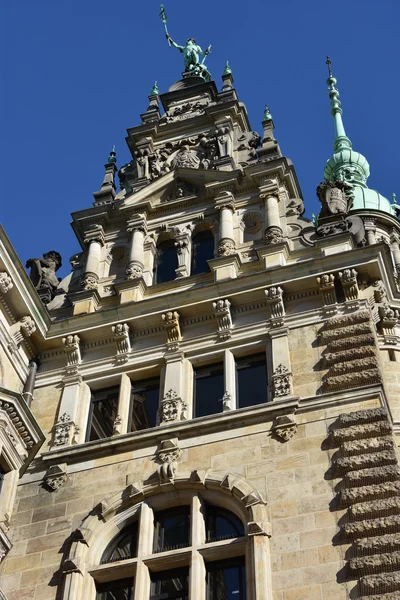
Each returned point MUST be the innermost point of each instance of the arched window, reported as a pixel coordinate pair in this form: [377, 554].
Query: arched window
[166, 261]
[202, 251]
[169, 539]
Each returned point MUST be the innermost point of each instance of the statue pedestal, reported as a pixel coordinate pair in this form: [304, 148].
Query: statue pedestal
[84, 302]
[225, 267]
[131, 290]
[274, 255]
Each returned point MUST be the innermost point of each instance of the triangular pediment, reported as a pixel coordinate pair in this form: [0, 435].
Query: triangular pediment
[177, 185]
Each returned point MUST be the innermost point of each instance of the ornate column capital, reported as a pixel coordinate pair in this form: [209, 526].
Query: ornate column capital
[225, 199]
[137, 222]
[94, 233]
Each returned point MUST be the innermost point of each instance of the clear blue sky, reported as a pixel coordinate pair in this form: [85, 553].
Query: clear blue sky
[76, 74]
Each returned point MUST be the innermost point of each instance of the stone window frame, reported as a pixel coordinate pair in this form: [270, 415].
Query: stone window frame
[82, 565]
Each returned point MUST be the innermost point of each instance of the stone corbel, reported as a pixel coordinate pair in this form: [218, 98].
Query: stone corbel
[73, 353]
[259, 528]
[284, 427]
[21, 331]
[274, 296]
[222, 312]
[172, 409]
[55, 477]
[122, 340]
[167, 454]
[326, 284]
[5, 282]
[348, 279]
[172, 328]
[389, 318]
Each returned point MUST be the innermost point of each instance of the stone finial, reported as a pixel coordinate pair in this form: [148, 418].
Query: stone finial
[222, 312]
[274, 296]
[167, 455]
[122, 338]
[281, 381]
[55, 477]
[72, 350]
[171, 326]
[348, 279]
[172, 408]
[5, 282]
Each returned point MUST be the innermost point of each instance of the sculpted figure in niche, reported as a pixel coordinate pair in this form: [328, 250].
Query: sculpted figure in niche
[43, 274]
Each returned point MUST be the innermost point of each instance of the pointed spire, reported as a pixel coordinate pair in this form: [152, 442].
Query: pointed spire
[342, 142]
[267, 114]
[154, 90]
[227, 70]
[107, 191]
[113, 157]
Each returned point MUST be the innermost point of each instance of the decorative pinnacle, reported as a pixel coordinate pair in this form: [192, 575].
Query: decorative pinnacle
[154, 89]
[113, 157]
[227, 70]
[342, 142]
[267, 114]
[394, 198]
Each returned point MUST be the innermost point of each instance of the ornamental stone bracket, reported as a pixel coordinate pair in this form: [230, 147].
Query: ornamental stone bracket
[167, 454]
[281, 382]
[389, 318]
[326, 285]
[348, 279]
[172, 409]
[284, 427]
[55, 477]
[5, 282]
[172, 328]
[222, 312]
[122, 341]
[274, 296]
[20, 332]
[72, 352]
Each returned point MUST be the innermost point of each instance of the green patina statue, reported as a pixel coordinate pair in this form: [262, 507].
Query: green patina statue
[191, 52]
[191, 57]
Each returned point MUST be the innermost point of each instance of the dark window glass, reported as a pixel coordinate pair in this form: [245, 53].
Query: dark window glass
[2, 475]
[123, 546]
[226, 580]
[171, 584]
[202, 251]
[166, 261]
[171, 529]
[221, 524]
[144, 404]
[115, 590]
[339, 290]
[103, 410]
[208, 390]
[251, 374]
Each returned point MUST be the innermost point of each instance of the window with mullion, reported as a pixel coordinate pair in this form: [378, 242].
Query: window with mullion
[121, 589]
[226, 580]
[166, 261]
[144, 404]
[170, 585]
[124, 546]
[202, 251]
[171, 529]
[222, 524]
[251, 380]
[102, 414]
[208, 390]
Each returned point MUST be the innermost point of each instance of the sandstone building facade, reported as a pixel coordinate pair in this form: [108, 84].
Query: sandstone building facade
[216, 403]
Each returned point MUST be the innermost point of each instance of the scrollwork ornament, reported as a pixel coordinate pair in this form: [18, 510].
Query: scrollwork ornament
[226, 248]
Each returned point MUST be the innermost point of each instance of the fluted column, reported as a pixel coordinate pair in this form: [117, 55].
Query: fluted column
[94, 236]
[225, 202]
[138, 228]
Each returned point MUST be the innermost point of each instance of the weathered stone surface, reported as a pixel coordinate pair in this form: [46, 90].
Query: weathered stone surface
[360, 417]
[350, 354]
[368, 445]
[383, 507]
[356, 341]
[369, 492]
[374, 475]
[351, 366]
[387, 582]
[372, 527]
[373, 545]
[345, 320]
[343, 332]
[357, 432]
[375, 563]
[390, 596]
[349, 380]
[362, 461]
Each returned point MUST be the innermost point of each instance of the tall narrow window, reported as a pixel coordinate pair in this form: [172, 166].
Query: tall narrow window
[170, 585]
[226, 580]
[166, 261]
[2, 475]
[251, 374]
[208, 390]
[103, 411]
[144, 404]
[202, 251]
[115, 590]
[171, 529]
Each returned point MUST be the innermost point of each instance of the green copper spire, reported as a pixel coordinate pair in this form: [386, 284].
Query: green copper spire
[267, 114]
[154, 90]
[342, 142]
[227, 70]
[113, 157]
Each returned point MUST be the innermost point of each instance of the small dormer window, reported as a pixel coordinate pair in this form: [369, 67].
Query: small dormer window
[166, 261]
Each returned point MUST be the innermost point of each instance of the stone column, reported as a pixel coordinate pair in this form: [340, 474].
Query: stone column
[66, 428]
[142, 579]
[229, 399]
[258, 556]
[197, 577]
[173, 406]
[121, 424]
[138, 228]
[225, 202]
[94, 236]
[370, 230]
